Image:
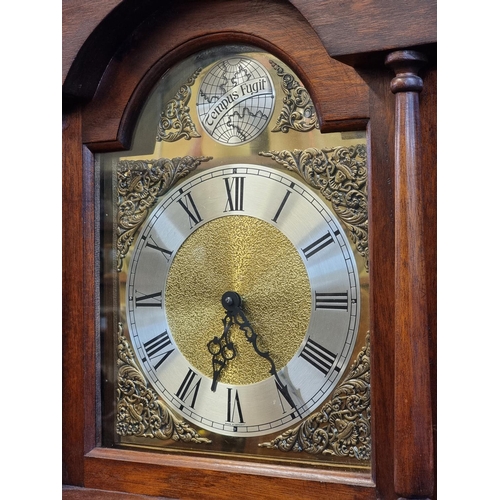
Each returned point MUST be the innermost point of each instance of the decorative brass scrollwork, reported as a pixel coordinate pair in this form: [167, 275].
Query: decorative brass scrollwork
[342, 426]
[175, 120]
[340, 174]
[140, 184]
[298, 112]
[139, 411]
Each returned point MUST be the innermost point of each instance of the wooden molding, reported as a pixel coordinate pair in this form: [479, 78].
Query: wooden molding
[339, 93]
[93, 31]
[413, 469]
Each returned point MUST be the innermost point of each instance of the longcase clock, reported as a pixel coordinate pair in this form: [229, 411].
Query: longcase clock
[249, 252]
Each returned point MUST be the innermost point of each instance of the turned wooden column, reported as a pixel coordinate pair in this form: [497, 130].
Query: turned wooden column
[413, 445]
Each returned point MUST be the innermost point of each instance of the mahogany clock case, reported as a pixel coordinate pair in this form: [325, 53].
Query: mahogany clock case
[350, 92]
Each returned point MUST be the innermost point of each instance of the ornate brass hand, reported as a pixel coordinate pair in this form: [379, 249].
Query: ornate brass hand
[223, 350]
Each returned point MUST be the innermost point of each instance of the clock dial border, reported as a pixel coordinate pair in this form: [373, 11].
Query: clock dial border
[315, 244]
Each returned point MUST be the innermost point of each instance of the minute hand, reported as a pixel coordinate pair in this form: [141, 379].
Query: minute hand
[241, 320]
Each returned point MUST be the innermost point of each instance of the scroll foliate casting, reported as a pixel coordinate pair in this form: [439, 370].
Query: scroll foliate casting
[139, 411]
[140, 184]
[298, 112]
[342, 426]
[175, 120]
[340, 174]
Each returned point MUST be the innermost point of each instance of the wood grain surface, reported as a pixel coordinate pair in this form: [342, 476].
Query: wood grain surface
[113, 53]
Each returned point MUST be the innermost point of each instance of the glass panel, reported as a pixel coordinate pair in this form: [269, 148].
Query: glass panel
[234, 271]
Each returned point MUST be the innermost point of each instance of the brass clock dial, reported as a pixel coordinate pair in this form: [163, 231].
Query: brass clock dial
[289, 332]
[230, 191]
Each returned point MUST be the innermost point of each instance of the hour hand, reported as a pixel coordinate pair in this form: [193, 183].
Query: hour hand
[222, 350]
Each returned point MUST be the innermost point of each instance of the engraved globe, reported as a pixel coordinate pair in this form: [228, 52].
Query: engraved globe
[235, 100]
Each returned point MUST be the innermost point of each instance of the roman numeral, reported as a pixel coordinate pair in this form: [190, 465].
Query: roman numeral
[189, 388]
[159, 347]
[154, 246]
[288, 193]
[234, 191]
[337, 301]
[283, 393]
[190, 208]
[144, 300]
[318, 356]
[317, 245]
[233, 406]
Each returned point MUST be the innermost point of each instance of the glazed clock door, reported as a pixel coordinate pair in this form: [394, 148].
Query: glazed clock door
[235, 282]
